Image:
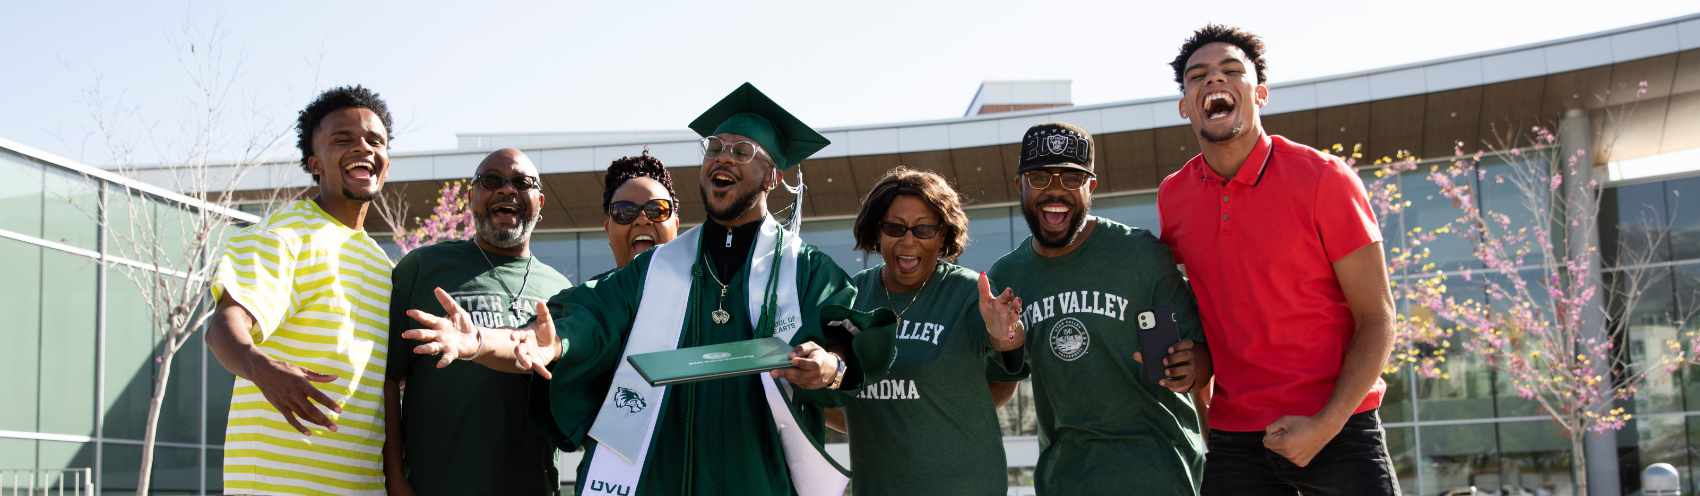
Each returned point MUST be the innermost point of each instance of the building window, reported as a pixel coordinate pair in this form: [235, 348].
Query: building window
[989, 237]
[834, 238]
[67, 347]
[22, 293]
[1682, 197]
[20, 194]
[1138, 211]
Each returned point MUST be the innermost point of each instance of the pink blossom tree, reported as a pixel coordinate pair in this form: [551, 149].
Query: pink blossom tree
[450, 219]
[1543, 334]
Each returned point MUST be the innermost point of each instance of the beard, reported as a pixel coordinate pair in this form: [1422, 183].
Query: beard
[506, 237]
[359, 196]
[740, 203]
[1077, 218]
[1222, 137]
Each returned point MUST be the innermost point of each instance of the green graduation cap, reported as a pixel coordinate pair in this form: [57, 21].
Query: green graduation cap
[749, 113]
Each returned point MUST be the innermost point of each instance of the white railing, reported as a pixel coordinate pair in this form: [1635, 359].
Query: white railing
[51, 482]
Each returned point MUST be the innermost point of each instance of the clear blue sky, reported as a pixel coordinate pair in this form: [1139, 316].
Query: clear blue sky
[584, 66]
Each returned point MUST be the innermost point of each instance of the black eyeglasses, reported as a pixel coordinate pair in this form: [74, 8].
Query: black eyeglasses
[742, 151]
[492, 181]
[922, 231]
[1041, 179]
[625, 212]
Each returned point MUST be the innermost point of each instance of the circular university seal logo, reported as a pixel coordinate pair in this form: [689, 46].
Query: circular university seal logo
[1069, 340]
[718, 355]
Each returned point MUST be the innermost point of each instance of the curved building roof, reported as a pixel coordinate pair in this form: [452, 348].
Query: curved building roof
[1423, 107]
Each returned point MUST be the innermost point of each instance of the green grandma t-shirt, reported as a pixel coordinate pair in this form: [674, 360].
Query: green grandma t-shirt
[930, 427]
[1102, 428]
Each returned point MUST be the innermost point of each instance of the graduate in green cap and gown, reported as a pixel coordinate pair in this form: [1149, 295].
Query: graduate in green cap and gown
[742, 275]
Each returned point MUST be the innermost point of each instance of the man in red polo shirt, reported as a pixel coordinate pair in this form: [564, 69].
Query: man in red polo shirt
[1285, 259]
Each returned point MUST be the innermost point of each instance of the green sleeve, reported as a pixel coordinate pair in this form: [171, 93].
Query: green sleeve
[593, 320]
[401, 297]
[825, 286]
[1169, 287]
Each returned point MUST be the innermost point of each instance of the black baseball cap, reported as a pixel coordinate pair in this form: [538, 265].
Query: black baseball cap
[1056, 144]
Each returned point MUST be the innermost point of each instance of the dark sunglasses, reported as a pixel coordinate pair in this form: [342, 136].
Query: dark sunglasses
[922, 231]
[625, 212]
[1041, 179]
[492, 181]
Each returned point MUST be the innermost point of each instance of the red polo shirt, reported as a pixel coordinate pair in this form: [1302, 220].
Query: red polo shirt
[1259, 250]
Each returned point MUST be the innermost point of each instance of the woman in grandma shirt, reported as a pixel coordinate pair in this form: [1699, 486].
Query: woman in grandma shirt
[930, 426]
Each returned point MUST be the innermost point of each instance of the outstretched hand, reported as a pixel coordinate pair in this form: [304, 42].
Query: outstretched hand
[450, 336]
[536, 345]
[1002, 314]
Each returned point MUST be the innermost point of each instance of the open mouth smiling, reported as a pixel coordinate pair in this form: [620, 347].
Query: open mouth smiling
[360, 171]
[1055, 214]
[1218, 105]
[506, 211]
[722, 179]
[642, 242]
[908, 264]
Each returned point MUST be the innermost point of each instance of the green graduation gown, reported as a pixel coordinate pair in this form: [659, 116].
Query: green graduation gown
[712, 437]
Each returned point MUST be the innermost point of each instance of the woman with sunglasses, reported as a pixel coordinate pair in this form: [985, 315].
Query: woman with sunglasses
[931, 426]
[640, 206]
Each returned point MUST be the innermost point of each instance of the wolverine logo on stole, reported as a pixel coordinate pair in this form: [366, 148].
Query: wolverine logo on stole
[629, 400]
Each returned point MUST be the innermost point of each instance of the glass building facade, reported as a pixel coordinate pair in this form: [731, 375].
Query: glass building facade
[80, 343]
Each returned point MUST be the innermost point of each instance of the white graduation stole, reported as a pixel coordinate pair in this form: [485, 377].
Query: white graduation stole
[625, 423]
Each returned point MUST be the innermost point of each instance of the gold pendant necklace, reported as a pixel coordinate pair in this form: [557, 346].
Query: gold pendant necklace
[912, 299]
[720, 315]
[517, 307]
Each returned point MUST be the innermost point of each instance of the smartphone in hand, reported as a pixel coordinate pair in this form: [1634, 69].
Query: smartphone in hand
[1158, 330]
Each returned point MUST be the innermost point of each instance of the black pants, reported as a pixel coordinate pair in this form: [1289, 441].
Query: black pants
[1354, 463]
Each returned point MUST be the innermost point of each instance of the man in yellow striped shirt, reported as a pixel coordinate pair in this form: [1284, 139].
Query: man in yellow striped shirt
[303, 316]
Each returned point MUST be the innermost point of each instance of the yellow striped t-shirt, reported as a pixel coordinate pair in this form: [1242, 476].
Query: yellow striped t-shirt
[320, 295]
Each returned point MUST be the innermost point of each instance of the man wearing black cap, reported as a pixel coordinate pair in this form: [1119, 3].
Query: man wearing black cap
[1093, 288]
[740, 276]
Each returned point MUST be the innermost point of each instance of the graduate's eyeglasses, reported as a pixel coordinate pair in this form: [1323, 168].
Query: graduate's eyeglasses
[922, 231]
[625, 212]
[493, 181]
[1041, 179]
[742, 151]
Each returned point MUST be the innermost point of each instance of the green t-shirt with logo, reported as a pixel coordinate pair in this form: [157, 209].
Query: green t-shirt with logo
[1102, 428]
[930, 427]
[468, 429]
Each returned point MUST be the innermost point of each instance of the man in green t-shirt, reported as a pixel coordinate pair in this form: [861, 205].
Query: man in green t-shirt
[1091, 288]
[466, 429]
